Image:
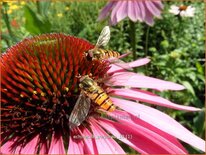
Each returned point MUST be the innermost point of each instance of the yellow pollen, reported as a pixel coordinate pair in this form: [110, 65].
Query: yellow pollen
[21, 95]
[42, 94]
[67, 89]
[35, 92]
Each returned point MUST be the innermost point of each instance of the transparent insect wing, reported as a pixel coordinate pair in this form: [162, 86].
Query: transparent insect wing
[80, 111]
[104, 37]
[119, 63]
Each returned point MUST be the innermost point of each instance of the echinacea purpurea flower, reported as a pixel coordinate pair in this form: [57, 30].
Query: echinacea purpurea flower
[39, 88]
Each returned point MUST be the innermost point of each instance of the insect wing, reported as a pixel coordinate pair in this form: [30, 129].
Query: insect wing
[121, 65]
[104, 37]
[80, 111]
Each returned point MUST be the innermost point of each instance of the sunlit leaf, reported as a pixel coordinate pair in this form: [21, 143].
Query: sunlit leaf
[33, 24]
[199, 68]
[189, 87]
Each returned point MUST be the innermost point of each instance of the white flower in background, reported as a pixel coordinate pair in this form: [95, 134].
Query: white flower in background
[182, 10]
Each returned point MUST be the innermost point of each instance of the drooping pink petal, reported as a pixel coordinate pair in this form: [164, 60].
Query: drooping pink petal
[143, 128]
[123, 115]
[7, 147]
[148, 16]
[31, 147]
[145, 96]
[140, 62]
[131, 11]
[105, 11]
[161, 121]
[140, 81]
[141, 9]
[137, 11]
[124, 55]
[104, 142]
[76, 145]
[89, 141]
[153, 9]
[57, 145]
[122, 10]
[134, 137]
[158, 4]
[114, 13]
[43, 148]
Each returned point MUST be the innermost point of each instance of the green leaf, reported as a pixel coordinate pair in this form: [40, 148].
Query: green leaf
[199, 68]
[199, 122]
[43, 7]
[33, 24]
[164, 44]
[189, 87]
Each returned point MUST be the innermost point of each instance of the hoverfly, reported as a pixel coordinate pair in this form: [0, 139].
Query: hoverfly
[97, 53]
[90, 91]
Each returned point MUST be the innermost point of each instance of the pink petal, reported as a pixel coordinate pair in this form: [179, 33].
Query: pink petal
[161, 121]
[114, 13]
[136, 63]
[105, 143]
[76, 145]
[105, 11]
[89, 142]
[148, 17]
[122, 10]
[140, 81]
[136, 120]
[139, 62]
[158, 4]
[134, 137]
[131, 11]
[141, 9]
[144, 129]
[137, 11]
[124, 55]
[43, 148]
[145, 96]
[57, 145]
[153, 9]
[31, 147]
[7, 147]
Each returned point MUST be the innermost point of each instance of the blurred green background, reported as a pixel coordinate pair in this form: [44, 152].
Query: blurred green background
[175, 46]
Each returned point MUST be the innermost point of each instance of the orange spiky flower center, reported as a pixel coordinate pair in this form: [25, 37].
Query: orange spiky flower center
[39, 85]
[183, 8]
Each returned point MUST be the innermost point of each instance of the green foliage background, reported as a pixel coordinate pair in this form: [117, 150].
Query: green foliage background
[174, 45]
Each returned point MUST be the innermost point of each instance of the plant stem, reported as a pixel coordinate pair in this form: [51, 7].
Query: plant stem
[133, 39]
[38, 7]
[6, 19]
[146, 40]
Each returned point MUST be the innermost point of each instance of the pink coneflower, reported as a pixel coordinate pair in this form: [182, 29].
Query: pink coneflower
[40, 87]
[136, 10]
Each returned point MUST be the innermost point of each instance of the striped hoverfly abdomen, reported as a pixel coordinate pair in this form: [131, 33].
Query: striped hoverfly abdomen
[90, 92]
[98, 53]
[96, 93]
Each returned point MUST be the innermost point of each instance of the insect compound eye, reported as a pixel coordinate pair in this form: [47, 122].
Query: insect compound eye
[90, 53]
[88, 57]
